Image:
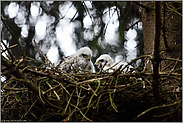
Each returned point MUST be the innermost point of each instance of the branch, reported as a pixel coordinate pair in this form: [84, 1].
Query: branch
[93, 80]
[133, 25]
[141, 5]
[42, 53]
[12, 56]
[156, 108]
[16, 72]
[12, 35]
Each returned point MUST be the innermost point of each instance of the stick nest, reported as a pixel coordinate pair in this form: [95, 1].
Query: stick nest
[34, 91]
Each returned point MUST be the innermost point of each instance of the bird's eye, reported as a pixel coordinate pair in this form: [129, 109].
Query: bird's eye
[84, 55]
[102, 60]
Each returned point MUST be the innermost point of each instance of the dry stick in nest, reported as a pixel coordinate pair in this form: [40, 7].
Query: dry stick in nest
[109, 68]
[94, 93]
[92, 90]
[143, 56]
[76, 107]
[68, 103]
[90, 80]
[156, 107]
[42, 53]
[130, 75]
[19, 75]
[53, 90]
[89, 105]
[28, 110]
[134, 74]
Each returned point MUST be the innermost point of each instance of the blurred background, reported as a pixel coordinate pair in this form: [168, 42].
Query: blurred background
[61, 28]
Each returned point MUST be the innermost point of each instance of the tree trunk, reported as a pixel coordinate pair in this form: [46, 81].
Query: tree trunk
[162, 32]
[170, 38]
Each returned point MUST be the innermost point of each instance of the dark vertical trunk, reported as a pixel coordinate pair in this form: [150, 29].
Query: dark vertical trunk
[162, 29]
[156, 59]
[170, 35]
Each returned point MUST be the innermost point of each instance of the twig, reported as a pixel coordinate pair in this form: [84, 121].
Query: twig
[142, 56]
[12, 56]
[53, 90]
[12, 34]
[50, 89]
[20, 61]
[102, 68]
[62, 86]
[28, 110]
[19, 75]
[67, 11]
[92, 90]
[42, 53]
[155, 107]
[40, 93]
[105, 28]
[133, 25]
[119, 86]
[174, 10]
[93, 94]
[167, 66]
[147, 8]
[173, 68]
[112, 103]
[173, 59]
[67, 119]
[68, 102]
[15, 89]
[88, 11]
[74, 16]
[93, 80]
[80, 112]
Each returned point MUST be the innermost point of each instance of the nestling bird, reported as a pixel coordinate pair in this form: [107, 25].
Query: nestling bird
[106, 63]
[78, 62]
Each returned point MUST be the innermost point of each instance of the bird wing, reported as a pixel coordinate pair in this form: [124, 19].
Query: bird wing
[90, 67]
[68, 63]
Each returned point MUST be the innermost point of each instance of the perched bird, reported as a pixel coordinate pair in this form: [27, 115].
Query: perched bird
[106, 63]
[78, 62]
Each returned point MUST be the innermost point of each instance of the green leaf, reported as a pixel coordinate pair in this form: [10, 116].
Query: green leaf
[17, 97]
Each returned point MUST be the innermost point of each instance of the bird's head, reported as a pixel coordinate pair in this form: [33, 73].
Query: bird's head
[85, 53]
[104, 60]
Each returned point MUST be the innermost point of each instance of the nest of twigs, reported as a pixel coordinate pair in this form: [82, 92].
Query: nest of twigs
[34, 92]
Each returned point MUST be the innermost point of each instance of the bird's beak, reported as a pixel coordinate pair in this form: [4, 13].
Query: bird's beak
[96, 64]
[89, 58]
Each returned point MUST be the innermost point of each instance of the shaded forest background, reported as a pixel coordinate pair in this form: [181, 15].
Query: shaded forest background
[128, 14]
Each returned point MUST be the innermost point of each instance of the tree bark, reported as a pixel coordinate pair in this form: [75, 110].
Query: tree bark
[156, 58]
[162, 39]
[170, 35]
